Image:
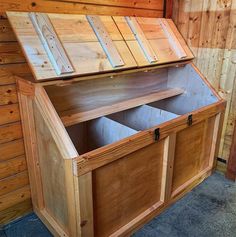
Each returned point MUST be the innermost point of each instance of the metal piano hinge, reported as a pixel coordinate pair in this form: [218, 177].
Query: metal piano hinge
[157, 134]
[190, 120]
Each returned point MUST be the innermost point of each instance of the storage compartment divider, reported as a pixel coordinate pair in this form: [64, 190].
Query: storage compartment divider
[104, 131]
[97, 133]
[143, 117]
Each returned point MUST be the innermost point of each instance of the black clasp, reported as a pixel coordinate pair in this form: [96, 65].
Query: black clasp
[157, 134]
[190, 120]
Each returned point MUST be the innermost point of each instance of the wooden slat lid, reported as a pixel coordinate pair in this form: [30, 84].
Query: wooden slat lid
[64, 45]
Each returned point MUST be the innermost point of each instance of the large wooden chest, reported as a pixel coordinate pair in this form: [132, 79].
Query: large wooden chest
[118, 124]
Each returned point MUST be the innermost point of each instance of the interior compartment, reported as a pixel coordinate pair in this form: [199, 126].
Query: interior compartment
[178, 90]
[196, 92]
[96, 133]
[142, 117]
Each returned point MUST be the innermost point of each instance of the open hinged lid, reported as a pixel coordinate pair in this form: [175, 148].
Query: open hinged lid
[65, 45]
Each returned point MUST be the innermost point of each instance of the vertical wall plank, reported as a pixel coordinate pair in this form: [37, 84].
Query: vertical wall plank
[211, 33]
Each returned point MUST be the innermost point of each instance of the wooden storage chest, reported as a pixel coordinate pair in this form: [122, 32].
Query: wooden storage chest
[118, 124]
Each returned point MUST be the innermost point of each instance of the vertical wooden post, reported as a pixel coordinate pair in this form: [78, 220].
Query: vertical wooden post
[25, 94]
[231, 167]
[168, 163]
[168, 8]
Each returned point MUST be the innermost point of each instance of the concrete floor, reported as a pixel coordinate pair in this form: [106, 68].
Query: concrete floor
[209, 210]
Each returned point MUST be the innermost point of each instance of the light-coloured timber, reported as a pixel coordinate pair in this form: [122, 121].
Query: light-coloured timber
[144, 44]
[51, 43]
[105, 40]
[109, 151]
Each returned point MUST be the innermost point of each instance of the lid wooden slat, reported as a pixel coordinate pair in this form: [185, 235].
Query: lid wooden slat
[95, 44]
[144, 44]
[179, 51]
[105, 40]
[51, 43]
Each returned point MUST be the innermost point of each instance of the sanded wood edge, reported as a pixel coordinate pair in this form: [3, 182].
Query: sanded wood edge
[104, 155]
[25, 88]
[168, 164]
[186, 184]
[173, 40]
[51, 43]
[141, 38]
[54, 124]
[30, 143]
[86, 204]
[105, 41]
[73, 228]
[126, 228]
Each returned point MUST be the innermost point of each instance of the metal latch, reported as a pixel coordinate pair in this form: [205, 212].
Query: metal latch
[157, 134]
[190, 120]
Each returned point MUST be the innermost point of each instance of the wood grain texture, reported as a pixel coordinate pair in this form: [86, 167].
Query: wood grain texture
[12, 166]
[14, 62]
[11, 149]
[10, 199]
[9, 114]
[8, 95]
[10, 132]
[10, 52]
[6, 32]
[83, 8]
[155, 37]
[105, 40]
[209, 29]
[144, 4]
[11, 183]
[51, 43]
[115, 208]
[85, 55]
[144, 44]
[15, 211]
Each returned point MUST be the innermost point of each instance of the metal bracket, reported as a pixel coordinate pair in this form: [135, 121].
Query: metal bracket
[157, 134]
[190, 120]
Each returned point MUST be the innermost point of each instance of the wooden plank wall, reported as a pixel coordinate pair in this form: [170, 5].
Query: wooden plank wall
[14, 183]
[209, 27]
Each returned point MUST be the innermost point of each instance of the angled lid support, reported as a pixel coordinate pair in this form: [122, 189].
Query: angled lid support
[174, 42]
[51, 43]
[143, 42]
[105, 41]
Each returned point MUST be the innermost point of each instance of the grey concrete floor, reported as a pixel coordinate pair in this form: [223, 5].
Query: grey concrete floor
[207, 211]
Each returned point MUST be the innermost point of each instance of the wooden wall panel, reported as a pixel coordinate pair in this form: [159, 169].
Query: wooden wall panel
[149, 8]
[14, 192]
[209, 27]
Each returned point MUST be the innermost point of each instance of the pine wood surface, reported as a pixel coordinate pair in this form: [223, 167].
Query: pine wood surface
[98, 47]
[13, 61]
[208, 26]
